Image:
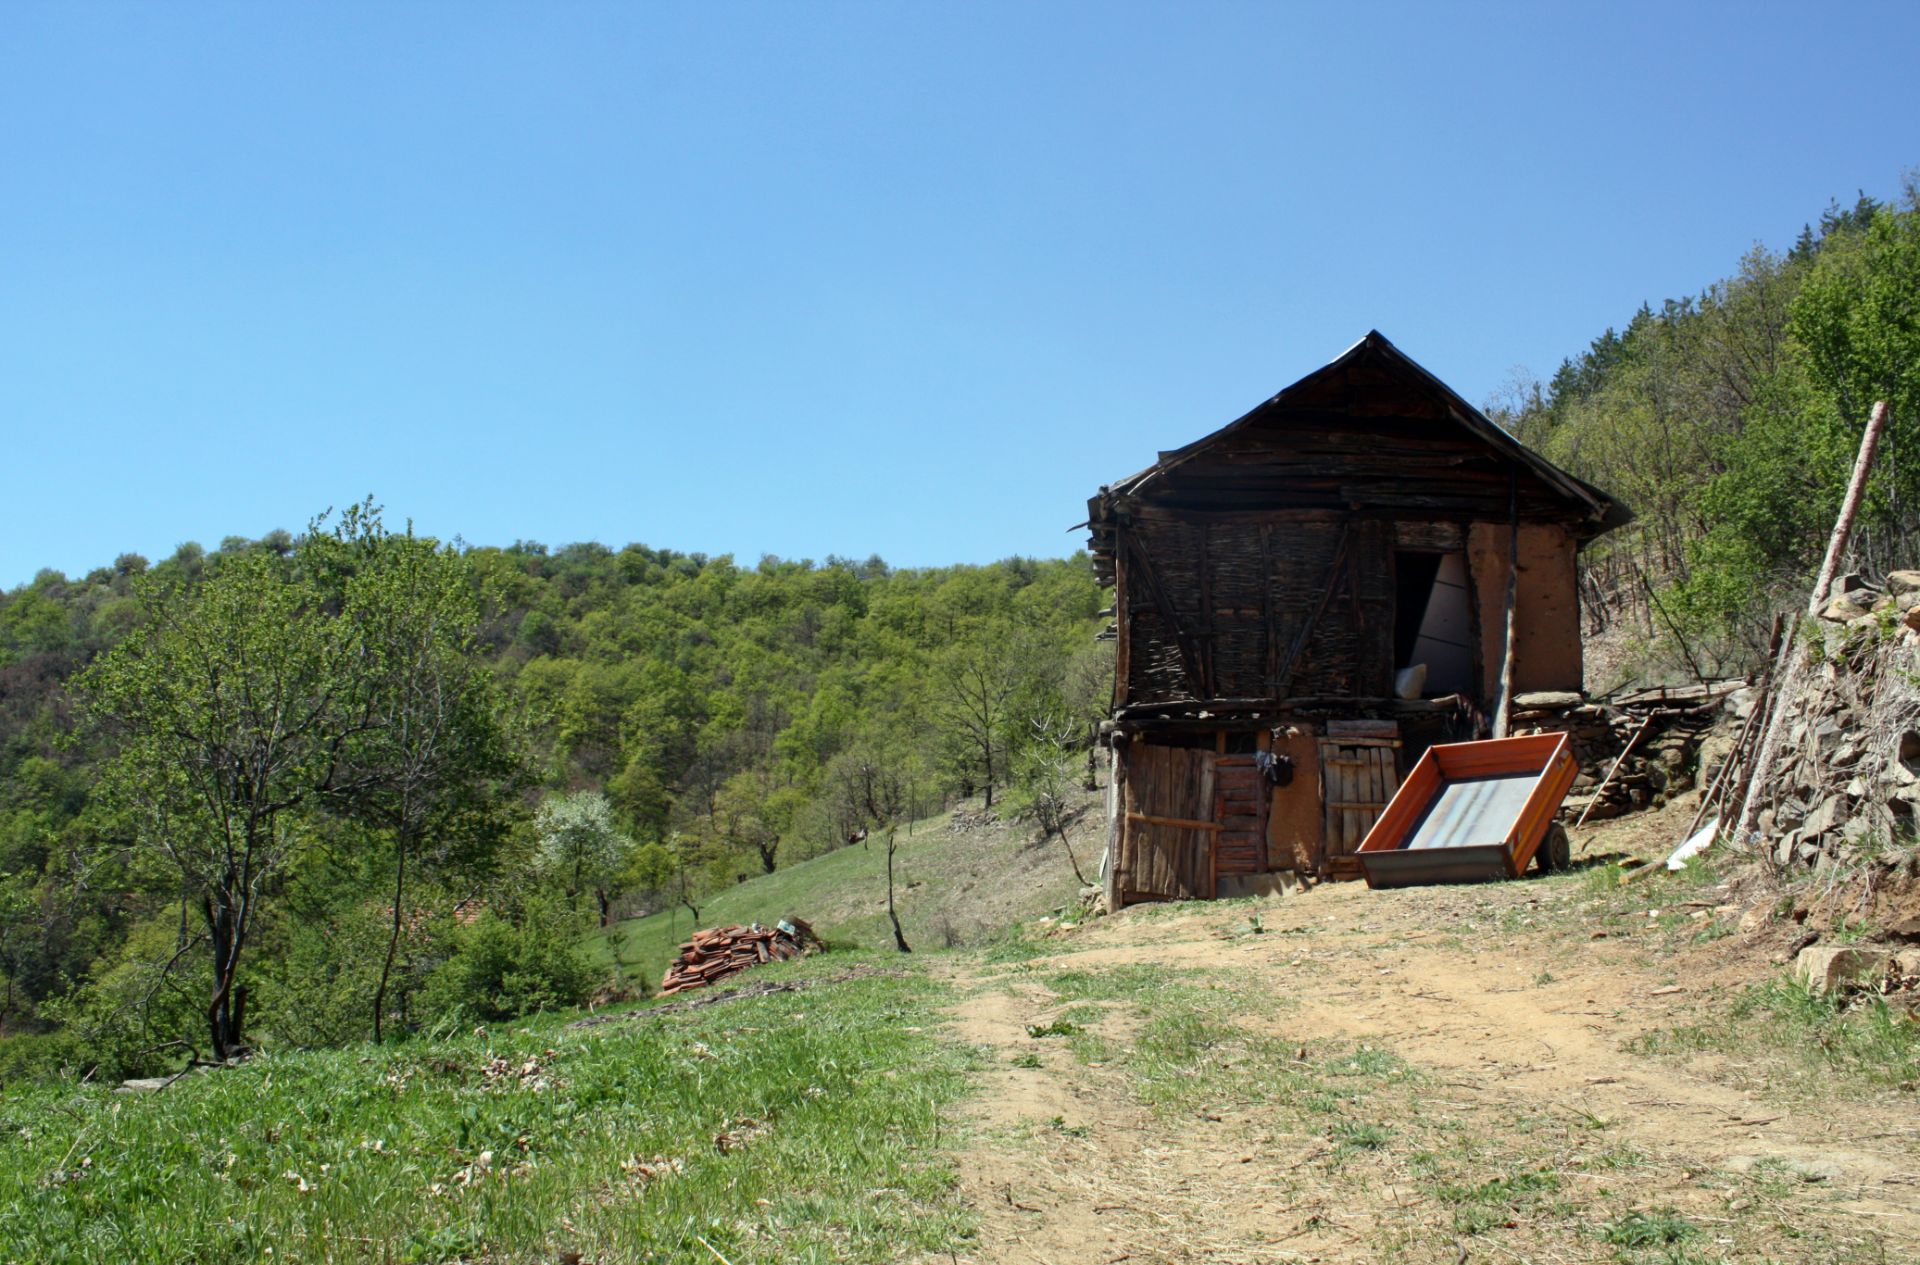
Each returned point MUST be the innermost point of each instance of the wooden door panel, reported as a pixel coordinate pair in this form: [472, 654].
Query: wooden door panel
[1359, 772]
[1166, 847]
[1240, 807]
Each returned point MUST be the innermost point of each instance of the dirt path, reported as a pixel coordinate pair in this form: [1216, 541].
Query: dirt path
[1423, 1075]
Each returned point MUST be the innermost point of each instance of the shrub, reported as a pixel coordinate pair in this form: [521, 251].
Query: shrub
[37, 1056]
[318, 988]
[501, 970]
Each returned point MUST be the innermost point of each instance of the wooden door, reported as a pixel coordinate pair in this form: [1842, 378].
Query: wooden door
[1166, 848]
[1359, 772]
[1240, 798]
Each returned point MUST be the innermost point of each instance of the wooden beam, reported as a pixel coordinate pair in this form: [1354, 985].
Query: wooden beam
[1618, 760]
[1116, 831]
[1501, 704]
[1267, 615]
[1180, 823]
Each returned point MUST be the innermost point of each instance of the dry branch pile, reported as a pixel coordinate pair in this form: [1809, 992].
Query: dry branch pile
[718, 952]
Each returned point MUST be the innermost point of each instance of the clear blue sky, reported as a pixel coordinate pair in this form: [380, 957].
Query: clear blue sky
[903, 278]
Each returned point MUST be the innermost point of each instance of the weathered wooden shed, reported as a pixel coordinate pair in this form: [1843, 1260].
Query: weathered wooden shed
[1305, 600]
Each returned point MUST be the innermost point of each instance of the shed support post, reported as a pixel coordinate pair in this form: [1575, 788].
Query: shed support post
[1504, 700]
[1116, 821]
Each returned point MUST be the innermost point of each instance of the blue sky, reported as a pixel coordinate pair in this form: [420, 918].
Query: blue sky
[900, 278]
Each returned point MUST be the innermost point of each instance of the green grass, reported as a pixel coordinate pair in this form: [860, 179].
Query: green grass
[950, 889]
[1490, 1204]
[1649, 1229]
[794, 1127]
[1862, 1042]
[1194, 1050]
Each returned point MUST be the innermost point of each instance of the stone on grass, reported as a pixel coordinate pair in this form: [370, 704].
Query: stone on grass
[1826, 968]
[1547, 700]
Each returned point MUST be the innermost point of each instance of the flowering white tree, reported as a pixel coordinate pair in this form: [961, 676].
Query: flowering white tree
[579, 845]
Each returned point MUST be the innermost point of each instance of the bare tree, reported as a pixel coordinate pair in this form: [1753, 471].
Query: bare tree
[1043, 773]
[872, 790]
[976, 680]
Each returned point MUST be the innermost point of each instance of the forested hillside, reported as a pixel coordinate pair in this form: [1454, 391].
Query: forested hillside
[1729, 420]
[646, 726]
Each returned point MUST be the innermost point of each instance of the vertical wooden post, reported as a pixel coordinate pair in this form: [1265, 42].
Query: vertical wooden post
[1122, 620]
[1116, 819]
[1787, 668]
[1856, 489]
[1505, 698]
[1267, 621]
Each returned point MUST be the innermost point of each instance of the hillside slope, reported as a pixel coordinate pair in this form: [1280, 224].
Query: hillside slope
[1549, 1069]
[952, 888]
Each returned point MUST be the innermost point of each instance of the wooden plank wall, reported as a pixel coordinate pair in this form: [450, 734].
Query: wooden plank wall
[1166, 850]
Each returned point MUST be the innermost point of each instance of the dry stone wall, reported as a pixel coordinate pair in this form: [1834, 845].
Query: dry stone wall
[1846, 780]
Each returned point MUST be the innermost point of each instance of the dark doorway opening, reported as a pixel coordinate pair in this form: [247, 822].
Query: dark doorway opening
[1432, 625]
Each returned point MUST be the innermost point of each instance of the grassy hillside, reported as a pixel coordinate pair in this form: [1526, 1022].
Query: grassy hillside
[735, 1132]
[951, 888]
[771, 1128]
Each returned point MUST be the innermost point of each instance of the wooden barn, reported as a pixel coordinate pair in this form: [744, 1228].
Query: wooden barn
[1308, 598]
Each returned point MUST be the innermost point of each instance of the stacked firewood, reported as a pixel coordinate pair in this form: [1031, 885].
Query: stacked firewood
[1634, 752]
[718, 952]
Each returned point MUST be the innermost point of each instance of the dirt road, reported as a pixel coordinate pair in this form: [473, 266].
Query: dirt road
[1532, 1071]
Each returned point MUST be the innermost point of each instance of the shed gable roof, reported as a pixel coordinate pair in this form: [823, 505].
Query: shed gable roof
[1374, 378]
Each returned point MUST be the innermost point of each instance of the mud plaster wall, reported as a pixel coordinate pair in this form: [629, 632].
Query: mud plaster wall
[1546, 621]
[1295, 822]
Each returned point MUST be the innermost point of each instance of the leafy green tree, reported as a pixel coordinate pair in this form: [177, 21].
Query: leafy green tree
[430, 761]
[1858, 319]
[226, 712]
[17, 927]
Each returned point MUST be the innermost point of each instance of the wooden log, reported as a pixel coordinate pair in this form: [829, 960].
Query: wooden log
[1617, 762]
[1856, 489]
[1785, 668]
[1116, 819]
[1505, 695]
